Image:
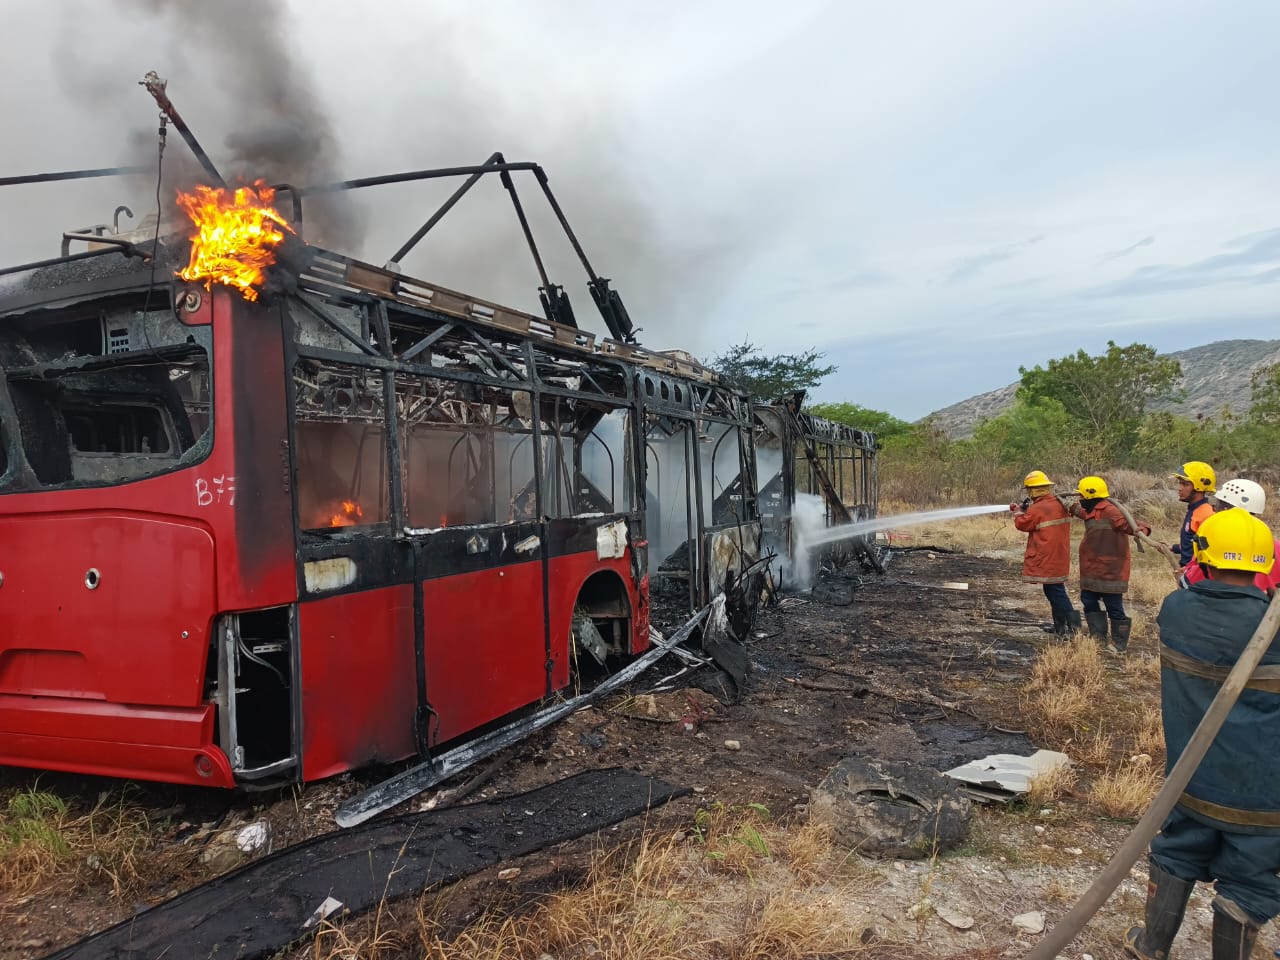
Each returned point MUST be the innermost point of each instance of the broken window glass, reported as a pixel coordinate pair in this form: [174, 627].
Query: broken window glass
[341, 447]
[102, 392]
[87, 421]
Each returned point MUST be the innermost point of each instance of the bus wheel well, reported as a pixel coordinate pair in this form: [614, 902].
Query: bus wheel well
[603, 595]
[600, 629]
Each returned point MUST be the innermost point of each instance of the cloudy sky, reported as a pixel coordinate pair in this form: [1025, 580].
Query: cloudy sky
[932, 193]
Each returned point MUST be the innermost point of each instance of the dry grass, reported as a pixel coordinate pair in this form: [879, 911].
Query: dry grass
[1066, 682]
[46, 843]
[336, 940]
[1082, 705]
[1045, 788]
[1063, 709]
[1077, 663]
[1150, 736]
[1126, 790]
[737, 886]
[1055, 892]
[1151, 579]
[1097, 750]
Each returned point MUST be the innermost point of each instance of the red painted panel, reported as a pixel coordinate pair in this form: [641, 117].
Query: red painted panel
[241, 493]
[486, 652]
[112, 740]
[140, 637]
[568, 574]
[153, 541]
[256, 549]
[358, 688]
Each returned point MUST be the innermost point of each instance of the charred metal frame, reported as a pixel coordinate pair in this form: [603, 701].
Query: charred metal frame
[554, 301]
[411, 329]
[814, 456]
[407, 332]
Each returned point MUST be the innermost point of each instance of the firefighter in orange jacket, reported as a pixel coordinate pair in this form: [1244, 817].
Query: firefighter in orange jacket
[1045, 521]
[1196, 483]
[1104, 561]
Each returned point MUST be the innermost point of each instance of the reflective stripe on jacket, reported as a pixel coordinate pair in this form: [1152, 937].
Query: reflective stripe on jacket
[1203, 631]
[1104, 551]
[1048, 528]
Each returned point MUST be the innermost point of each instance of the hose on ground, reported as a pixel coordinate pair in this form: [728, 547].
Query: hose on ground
[1118, 868]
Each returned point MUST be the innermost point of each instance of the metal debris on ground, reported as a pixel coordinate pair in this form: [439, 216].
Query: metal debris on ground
[328, 907]
[1002, 777]
[409, 783]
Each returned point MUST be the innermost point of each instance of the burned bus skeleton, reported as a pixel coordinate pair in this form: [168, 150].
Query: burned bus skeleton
[358, 519]
[817, 473]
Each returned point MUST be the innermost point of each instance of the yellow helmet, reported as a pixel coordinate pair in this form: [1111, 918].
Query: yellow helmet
[1235, 540]
[1199, 475]
[1036, 478]
[1092, 488]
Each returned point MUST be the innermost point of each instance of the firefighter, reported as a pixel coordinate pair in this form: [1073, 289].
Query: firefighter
[1104, 561]
[1196, 483]
[1250, 497]
[1047, 561]
[1226, 825]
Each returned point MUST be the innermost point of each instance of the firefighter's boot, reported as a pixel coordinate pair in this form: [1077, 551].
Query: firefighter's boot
[1120, 633]
[1166, 903]
[1073, 621]
[1233, 935]
[1097, 620]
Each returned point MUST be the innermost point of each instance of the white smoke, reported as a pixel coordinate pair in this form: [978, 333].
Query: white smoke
[808, 519]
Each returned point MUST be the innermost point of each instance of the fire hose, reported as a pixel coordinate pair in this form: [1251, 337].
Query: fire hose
[1138, 535]
[1118, 867]
[1146, 538]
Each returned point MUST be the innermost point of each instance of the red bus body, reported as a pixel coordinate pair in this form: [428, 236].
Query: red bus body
[191, 616]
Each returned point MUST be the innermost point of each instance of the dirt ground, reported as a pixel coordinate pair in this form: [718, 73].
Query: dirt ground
[897, 666]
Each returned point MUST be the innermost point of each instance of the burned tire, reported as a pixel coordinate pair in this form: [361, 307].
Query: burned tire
[892, 809]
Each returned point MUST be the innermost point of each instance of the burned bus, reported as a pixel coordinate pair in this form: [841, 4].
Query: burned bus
[253, 535]
[252, 541]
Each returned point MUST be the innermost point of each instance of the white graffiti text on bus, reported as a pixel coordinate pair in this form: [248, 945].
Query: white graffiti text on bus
[215, 490]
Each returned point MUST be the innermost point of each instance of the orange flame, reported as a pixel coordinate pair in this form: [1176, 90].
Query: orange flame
[235, 234]
[351, 512]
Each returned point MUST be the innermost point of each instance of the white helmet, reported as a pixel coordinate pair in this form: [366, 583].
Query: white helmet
[1244, 494]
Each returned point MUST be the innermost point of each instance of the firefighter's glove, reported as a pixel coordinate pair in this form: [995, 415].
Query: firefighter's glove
[1013, 508]
[1144, 529]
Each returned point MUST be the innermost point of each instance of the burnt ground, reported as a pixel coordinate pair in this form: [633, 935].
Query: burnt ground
[894, 666]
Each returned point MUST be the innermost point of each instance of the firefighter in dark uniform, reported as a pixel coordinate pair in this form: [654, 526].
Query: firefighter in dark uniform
[1047, 561]
[1104, 561]
[1226, 825]
[1196, 483]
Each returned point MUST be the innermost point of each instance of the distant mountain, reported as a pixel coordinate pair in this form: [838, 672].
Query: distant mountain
[1213, 376]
